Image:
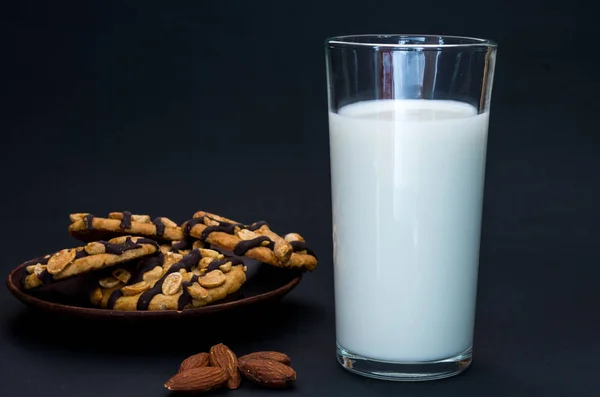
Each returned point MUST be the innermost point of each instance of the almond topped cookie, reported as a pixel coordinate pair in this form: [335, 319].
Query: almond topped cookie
[171, 281]
[87, 227]
[256, 241]
[93, 256]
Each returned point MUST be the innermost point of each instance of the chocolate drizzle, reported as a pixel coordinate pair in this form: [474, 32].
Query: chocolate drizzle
[45, 277]
[118, 249]
[214, 265]
[228, 228]
[81, 254]
[244, 246]
[113, 298]
[180, 246]
[187, 262]
[89, 221]
[160, 227]
[126, 221]
[144, 266]
[301, 246]
[191, 223]
[185, 298]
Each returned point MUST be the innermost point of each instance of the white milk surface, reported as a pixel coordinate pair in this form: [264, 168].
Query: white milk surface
[407, 190]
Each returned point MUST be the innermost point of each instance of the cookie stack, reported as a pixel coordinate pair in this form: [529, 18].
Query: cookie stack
[138, 262]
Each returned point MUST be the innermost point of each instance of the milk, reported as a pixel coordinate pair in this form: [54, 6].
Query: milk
[407, 186]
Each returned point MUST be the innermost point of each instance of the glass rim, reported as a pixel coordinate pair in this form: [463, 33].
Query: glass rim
[456, 41]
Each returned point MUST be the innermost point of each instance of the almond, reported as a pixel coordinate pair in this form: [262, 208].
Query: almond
[59, 261]
[141, 218]
[226, 267]
[122, 275]
[212, 279]
[275, 356]
[197, 380]
[108, 282]
[153, 275]
[267, 373]
[293, 237]
[245, 234]
[167, 222]
[197, 291]
[195, 361]
[172, 284]
[77, 217]
[221, 356]
[208, 253]
[205, 262]
[38, 269]
[134, 289]
[95, 248]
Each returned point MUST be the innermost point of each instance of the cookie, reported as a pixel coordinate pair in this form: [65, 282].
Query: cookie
[95, 255]
[171, 281]
[87, 227]
[256, 241]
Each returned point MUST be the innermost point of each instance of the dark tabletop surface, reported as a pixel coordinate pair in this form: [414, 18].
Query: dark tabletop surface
[168, 108]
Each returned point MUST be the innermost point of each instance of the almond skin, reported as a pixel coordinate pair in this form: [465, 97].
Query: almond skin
[195, 361]
[268, 355]
[222, 357]
[197, 380]
[268, 373]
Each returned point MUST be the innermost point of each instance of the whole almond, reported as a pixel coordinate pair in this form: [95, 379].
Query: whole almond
[195, 361]
[221, 356]
[268, 373]
[275, 356]
[197, 380]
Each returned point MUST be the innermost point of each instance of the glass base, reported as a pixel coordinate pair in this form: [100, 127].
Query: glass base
[405, 371]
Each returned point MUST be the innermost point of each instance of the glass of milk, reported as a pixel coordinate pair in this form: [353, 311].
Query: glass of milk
[408, 124]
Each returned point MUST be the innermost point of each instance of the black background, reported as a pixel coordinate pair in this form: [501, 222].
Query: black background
[171, 107]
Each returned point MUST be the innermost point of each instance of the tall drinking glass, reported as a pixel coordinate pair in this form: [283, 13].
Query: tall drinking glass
[408, 124]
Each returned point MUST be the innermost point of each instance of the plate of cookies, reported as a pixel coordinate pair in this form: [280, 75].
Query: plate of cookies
[127, 265]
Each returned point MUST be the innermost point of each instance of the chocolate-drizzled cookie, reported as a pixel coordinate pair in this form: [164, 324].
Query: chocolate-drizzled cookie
[96, 255]
[256, 241]
[171, 281]
[87, 227]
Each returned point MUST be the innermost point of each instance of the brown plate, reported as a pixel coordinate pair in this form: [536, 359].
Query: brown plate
[264, 283]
